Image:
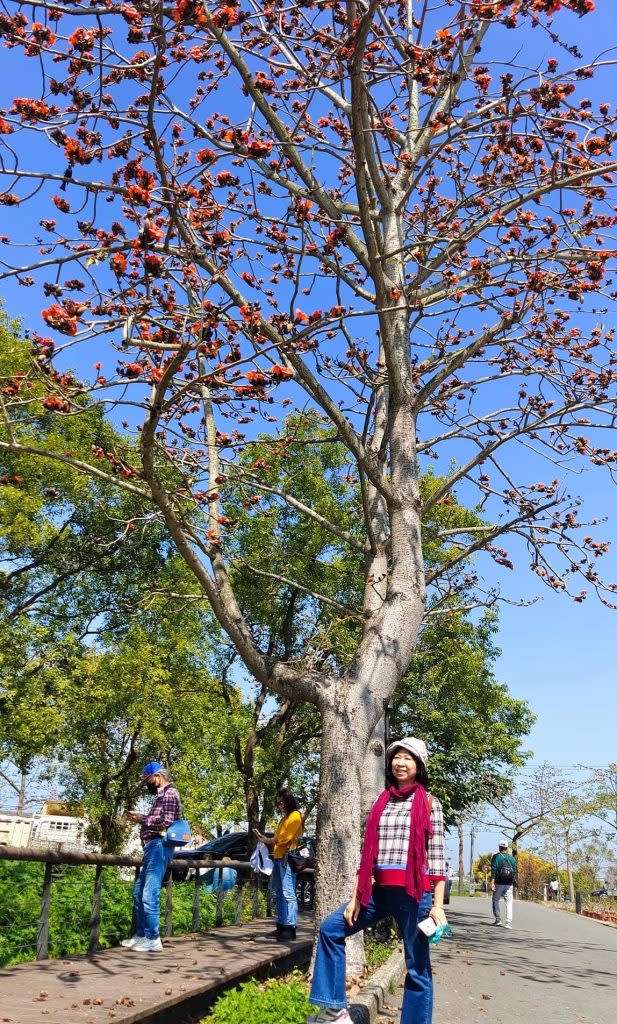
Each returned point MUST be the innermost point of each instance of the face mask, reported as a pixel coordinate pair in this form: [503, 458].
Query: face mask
[152, 788]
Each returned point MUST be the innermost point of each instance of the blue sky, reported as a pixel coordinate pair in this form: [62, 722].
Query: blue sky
[557, 655]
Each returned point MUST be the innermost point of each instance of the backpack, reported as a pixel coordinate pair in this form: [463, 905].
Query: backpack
[505, 873]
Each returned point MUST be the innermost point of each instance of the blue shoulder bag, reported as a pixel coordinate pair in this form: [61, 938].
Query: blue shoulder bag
[179, 832]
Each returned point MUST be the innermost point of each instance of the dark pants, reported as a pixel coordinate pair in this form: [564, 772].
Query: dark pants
[328, 988]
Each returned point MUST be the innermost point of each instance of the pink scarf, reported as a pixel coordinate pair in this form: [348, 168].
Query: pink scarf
[419, 831]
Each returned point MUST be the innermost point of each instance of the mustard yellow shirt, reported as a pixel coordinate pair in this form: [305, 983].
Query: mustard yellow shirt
[288, 832]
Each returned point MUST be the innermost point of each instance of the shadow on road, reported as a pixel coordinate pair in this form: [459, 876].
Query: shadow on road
[541, 958]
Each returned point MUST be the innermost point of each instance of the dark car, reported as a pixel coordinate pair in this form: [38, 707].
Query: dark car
[233, 845]
[599, 892]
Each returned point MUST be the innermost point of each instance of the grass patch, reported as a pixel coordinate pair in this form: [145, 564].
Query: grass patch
[269, 1002]
[377, 951]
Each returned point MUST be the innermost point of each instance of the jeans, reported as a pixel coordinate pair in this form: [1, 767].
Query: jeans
[147, 888]
[328, 988]
[504, 892]
[284, 889]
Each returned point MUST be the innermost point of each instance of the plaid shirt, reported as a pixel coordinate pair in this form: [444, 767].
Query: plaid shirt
[166, 808]
[391, 865]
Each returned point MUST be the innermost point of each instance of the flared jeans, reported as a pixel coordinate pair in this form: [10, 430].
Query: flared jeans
[328, 988]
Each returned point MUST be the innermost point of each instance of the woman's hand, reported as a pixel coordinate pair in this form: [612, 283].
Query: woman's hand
[438, 916]
[352, 911]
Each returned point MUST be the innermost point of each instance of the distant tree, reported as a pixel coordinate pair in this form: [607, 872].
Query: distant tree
[602, 797]
[564, 829]
[533, 873]
[482, 870]
[529, 805]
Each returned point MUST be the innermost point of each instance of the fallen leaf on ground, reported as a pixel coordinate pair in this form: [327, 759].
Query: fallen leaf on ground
[485, 995]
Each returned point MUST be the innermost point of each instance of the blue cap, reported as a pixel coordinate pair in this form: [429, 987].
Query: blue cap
[151, 768]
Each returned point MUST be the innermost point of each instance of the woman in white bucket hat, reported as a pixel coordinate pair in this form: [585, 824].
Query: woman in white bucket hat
[402, 860]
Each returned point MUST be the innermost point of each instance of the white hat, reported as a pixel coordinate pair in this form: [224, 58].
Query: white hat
[503, 843]
[413, 745]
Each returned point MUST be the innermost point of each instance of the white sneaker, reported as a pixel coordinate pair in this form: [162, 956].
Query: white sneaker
[497, 922]
[129, 943]
[144, 945]
[342, 1018]
[508, 926]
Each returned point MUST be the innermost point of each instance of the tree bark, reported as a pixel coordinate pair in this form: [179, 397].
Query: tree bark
[373, 773]
[21, 796]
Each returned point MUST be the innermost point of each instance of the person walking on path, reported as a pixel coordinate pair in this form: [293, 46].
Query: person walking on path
[286, 838]
[402, 854]
[166, 808]
[503, 874]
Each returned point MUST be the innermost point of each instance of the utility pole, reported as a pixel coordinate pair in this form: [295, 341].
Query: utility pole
[472, 840]
[461, 865]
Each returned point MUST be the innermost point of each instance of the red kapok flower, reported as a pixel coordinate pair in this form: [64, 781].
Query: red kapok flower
[281, 372]
[60, 319]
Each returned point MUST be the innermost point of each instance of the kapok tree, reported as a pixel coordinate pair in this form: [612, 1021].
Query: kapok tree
[396, 214]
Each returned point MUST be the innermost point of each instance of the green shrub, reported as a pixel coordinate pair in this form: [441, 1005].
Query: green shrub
[376, 953]
[21, 884]
[279, 1001]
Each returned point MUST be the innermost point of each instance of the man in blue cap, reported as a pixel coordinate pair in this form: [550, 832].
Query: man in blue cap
[166, 808]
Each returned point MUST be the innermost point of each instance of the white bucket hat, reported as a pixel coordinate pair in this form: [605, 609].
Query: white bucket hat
[414, 746]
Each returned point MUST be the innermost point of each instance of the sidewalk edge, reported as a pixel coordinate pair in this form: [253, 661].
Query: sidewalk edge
[371, 999]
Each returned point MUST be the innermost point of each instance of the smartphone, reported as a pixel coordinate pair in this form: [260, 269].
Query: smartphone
[427, 927]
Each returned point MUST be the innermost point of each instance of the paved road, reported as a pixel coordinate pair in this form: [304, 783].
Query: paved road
[552, 968]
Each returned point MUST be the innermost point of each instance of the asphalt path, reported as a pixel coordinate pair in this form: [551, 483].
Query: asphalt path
[552, 968]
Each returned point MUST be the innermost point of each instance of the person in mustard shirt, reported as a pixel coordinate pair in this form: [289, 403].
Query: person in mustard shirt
[286, 838]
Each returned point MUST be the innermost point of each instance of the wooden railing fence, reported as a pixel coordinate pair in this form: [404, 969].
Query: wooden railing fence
[65, 858]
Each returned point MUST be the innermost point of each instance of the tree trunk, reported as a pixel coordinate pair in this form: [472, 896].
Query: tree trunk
[251, 797]
[21, 795]
[570, 875]
[344, 744]
[461, 863]
[373, 774]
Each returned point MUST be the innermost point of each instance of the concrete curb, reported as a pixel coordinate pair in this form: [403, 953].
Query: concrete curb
[371, 999]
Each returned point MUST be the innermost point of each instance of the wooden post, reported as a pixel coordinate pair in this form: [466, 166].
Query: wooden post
[256, 897]
[168, 905]
[95, 917]
[196, 901]
[133, 914]
[42, 942]
[218, 920]
[240, 900]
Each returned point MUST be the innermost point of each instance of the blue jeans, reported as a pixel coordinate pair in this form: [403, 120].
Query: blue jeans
[147, 888]
[284, 890]
[328, 988]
